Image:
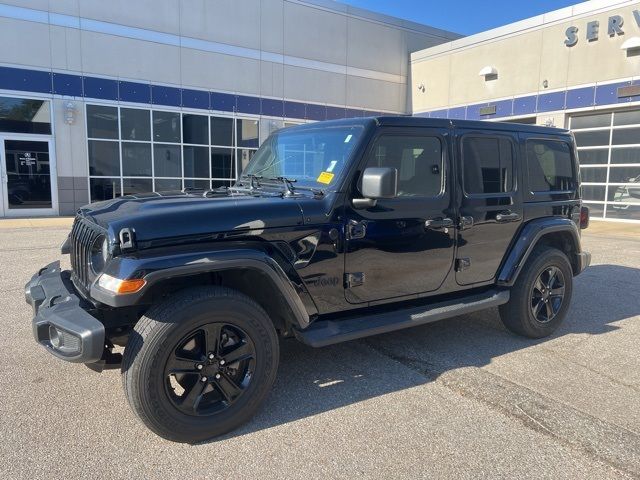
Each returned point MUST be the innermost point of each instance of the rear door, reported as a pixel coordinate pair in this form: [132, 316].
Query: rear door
[491, 202]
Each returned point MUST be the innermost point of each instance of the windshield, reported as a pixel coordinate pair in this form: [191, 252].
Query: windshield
[313, 158]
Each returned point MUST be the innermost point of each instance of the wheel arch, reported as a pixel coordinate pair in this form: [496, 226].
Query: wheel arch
[560, 233]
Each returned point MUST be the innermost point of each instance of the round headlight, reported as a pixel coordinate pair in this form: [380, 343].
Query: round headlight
[99, 254]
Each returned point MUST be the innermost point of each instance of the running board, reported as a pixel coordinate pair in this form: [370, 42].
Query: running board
[328, 332]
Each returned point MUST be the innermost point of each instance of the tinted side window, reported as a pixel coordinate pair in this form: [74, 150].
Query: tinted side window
[418, 160]
[487, 165]
[549, 166]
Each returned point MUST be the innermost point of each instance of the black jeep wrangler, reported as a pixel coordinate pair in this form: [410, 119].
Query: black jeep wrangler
[334, 231]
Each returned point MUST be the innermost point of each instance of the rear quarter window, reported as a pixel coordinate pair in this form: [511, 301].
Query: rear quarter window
[550, 166]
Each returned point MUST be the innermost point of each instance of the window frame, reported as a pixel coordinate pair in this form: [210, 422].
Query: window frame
[514, 161]
[414, 132]
[575, 173]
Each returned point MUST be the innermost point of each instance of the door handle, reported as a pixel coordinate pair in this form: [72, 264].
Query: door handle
[437, 223]
[505, 217]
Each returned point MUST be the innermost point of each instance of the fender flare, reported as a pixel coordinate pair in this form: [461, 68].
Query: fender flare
[157, 269]
[528, 238]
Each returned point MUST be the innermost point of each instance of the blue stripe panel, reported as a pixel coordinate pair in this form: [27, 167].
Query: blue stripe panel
[274, 108]
[294, 109]
[316, 112]
[334, 113]
[580, 97]
[637, 97]
[135, 92]
[222, 101]
[195, 99]
[458, 113]
[440, 114]
[548, 102]
[607, 94]
[102, 88]
[65, 84]
[354, 113]
[161, 95]
[473, 111]
[524, 105]
[25, 80]
[370, 113]
[504, 108]
[246, 104]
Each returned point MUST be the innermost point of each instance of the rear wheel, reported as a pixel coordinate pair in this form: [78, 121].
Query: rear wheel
[200, 364]
[541, 296]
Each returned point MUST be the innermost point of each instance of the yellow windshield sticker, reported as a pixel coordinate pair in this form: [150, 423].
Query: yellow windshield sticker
[325, 177]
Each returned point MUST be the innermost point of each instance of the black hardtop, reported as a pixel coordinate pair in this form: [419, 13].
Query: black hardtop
[411, 121]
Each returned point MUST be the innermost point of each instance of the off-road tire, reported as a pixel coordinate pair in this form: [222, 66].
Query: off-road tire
[517, 314]
[155, 336]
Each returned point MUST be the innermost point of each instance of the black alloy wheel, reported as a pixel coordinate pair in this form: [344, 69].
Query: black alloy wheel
[547, 294]
[210, 369]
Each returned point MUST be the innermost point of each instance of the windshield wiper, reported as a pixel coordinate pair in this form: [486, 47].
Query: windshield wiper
[290, 189]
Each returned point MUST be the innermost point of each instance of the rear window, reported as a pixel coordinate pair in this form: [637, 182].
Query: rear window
[487, 164]
[549, 166]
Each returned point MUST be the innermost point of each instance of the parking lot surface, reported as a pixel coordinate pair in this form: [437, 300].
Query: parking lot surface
[461, 398]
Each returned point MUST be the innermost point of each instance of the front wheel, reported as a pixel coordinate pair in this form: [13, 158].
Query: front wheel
[541, 296]
[200, 364]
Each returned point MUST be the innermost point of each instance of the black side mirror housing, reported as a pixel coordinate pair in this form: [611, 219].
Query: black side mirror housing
[377, 183]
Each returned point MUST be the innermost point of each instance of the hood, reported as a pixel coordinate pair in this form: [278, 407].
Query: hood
[176, 214]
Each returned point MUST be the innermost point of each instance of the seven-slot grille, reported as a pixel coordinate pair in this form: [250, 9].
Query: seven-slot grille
[83, 235]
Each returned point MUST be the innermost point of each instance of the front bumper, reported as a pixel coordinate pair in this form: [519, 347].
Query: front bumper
[60, 324]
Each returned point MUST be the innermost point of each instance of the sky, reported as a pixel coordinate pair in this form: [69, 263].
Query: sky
[462, 16]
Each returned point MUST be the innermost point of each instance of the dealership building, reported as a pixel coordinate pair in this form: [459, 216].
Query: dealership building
[102, 99]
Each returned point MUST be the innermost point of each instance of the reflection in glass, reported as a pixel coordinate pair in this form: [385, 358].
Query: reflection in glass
[22, 115]
[594, 175]
[596, 210]
[244, 155]
[167, 160]
[627, 118]
[247, 133]
[104, 188]
[28, 179]
[594, 157]
[625, 155]
[196, 162]
[221, 163]
[131, 186]
[136, 159]
[593, 192]
[592, 139]
[167, 184]
[166, 127]
[222, 131]
[624, 174]
[134, 124]
[102, 122]
[196, 184]
[626, 136]
[195, 129]
[591, 121]
[104, 158]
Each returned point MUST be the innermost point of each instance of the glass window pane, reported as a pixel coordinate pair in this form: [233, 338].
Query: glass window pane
[168, 184]
[222, 163]
[247, 133]
[104, 158]
[488, 165]
[220, 183]
[623, 212]
[27, 168]
[196, 162]
[21, 115]
[136, 159]
[627, 118]
[102, 122]
[626, 136]
[167, 160]
[131, 186]
[594, 175]
[166, 127]
[625, 193]
[592, 139]
[222, 131]
[195, 129]
[549, 166]
[596, 210]
[625, 155]
[104, 188]
[196, 184]
[134, 124]
[624, 174]
[593, 192]
[593, 157]
[244, 155]
[591, 121]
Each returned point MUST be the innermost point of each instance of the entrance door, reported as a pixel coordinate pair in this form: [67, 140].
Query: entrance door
[27, 169]
[404, 245]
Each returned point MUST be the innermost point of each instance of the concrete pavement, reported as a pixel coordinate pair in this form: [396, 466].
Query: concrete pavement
[460, 398]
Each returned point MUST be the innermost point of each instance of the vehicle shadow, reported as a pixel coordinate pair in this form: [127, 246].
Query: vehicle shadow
[312, 381]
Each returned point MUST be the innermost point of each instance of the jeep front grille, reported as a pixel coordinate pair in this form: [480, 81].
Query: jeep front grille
[83, 234]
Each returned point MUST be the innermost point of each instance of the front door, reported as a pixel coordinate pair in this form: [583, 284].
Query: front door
[27, 169]
[405, 245]
[491, 205]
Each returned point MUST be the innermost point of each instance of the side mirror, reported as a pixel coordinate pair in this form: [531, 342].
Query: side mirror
[377, 183]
